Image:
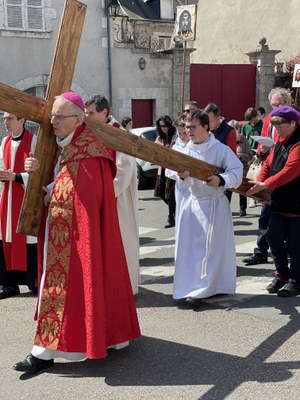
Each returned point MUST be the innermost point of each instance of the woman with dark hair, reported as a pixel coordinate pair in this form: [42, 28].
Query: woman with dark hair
[127, 123]
[165, 187]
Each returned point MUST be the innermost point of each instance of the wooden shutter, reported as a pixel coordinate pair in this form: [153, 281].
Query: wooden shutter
[14, 14]
[35, 15]
[25, 15]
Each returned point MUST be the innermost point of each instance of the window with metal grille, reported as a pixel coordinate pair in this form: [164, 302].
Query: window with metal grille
[25, 15]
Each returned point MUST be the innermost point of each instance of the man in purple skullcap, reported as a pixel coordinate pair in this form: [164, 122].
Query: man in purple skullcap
[281, 174]
[86, 303]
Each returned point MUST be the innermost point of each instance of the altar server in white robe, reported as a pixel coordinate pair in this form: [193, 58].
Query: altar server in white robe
[205, 262]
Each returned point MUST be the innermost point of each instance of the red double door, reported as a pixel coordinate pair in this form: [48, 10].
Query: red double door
[232, 87]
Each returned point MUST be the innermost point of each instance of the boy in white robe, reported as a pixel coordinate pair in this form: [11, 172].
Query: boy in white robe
[205, 262]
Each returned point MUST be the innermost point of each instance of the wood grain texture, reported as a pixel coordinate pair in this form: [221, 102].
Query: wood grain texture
[60, 81]
[22, 104]
[136, 146]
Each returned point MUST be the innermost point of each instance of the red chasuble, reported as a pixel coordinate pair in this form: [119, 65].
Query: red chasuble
[15, 252]
[87, 302]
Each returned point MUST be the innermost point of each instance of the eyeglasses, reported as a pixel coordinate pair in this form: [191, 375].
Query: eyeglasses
[163, 126]
[191, 127]
[274, 105]
[187, 111]
[279, 126]
[59, 117]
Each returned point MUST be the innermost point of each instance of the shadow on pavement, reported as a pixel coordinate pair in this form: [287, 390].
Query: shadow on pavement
[151, 361]
[155, 362]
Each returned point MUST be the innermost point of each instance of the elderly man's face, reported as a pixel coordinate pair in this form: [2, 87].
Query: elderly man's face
[63, 119]
[277, 100]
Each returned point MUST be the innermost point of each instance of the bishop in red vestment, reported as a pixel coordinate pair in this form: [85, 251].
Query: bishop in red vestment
[86, 303]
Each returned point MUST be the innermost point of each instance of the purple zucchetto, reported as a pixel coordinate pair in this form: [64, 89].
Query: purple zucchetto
[286, 112]
[74, 98]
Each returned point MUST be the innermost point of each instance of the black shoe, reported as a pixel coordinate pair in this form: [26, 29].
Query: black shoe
[33, 289]
[276, 284]
[255, 259]
[243, 213]
[194, 302]
[170, 222]
[290, 289]
[32, 364]
[9, 291]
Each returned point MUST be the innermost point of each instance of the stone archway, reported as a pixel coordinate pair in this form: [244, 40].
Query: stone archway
[41, 81]
[37, 85]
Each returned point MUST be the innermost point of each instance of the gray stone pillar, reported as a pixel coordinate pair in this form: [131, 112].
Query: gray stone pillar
[178, 77]
[264, 58]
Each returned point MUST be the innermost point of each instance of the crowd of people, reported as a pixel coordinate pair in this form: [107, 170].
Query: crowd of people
[85, 267]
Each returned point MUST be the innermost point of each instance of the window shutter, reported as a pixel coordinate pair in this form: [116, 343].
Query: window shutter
[35, 15]
[14, 14]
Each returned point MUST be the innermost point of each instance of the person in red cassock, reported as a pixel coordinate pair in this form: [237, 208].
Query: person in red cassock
[18, 253]
[85, 303]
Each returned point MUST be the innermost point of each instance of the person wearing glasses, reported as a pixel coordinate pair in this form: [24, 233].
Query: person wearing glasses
[222, 131]
[165, 187]
[85, 302]
[205, 263]
[190, 106]
[125, 190]
[18, 253]
[281, 174]
[277, 97]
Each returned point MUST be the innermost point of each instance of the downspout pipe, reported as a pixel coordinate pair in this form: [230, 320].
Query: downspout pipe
[110, 97]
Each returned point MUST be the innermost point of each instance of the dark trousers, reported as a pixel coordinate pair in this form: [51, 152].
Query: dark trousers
[243, 202]
[15, 278]
[283, 237]
[263, 223]
[228, 194]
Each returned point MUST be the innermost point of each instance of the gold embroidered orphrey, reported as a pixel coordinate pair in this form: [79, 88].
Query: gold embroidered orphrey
[53, 299]
[36, 109]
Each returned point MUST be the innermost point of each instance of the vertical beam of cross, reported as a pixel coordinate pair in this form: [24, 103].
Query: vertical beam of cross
[60, 81]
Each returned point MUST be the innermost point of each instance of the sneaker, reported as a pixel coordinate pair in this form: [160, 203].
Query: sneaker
[290, 289]
[276, 284]
[255, 259]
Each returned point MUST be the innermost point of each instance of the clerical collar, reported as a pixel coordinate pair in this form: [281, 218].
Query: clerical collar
[62, 142]
[18, 138]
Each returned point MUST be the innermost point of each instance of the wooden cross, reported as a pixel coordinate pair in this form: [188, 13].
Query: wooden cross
[35, 109]
[135, 146]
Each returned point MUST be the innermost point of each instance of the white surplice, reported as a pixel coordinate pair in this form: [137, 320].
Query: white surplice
[205, 262]
[125, 185]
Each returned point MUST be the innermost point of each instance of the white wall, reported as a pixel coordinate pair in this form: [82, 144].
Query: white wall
[228, 28]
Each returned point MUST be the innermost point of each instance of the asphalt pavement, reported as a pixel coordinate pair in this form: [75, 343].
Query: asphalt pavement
[242, 346]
